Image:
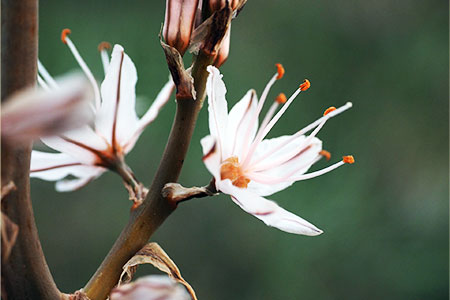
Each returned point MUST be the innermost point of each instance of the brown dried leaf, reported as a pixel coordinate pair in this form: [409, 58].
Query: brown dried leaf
[153, 254]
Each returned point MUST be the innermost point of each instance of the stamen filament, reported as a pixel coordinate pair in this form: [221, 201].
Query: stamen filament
[269, 114]
[320, 172]
[85, 69]
[104, 55]
[42, 83]
[46, 75]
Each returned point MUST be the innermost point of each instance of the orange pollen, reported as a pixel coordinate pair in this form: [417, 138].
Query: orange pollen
[280, 71]
[103, 46]
[305, 85]
[231, 169]
[64, 34]
[349, 159]
[325, 154]
[281, 98]
[329, 109]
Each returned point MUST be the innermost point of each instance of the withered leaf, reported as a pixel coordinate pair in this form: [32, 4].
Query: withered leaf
[153, 254]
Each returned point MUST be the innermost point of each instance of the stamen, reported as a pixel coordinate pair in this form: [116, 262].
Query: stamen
[262, 132]
[102, 47]
[329, 109]
[280, 71]
[319, 122]
[325, 154]
[83, 65]
[281, 98]
[269, 114]
[46, 76]
[42, 83]
[305, 85]
[349, 159]
[260, 106]
[64, 35]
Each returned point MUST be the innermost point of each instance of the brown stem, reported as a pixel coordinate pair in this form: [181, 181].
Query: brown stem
[25, 274]
[151, 214]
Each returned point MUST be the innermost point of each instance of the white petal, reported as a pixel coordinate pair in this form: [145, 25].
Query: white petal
[238, 132]
[153, 287]
[68, 185]
[211, 156]
[77, 143]
[33, 113]
[151, 114]
[279, 177]
[56, 166]
[117, 113]
[51, 166]
[217, 108]
[268, 211]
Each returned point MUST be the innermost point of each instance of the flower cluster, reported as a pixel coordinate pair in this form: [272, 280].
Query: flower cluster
[247, 166]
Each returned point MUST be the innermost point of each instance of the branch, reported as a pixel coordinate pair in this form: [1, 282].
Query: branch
[25, 274]
[146, 218]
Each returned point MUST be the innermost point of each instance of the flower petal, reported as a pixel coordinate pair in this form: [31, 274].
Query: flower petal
[152, 287]
[151, 114]
[278, 177]
[56, 166]
[217, 108]
[33, 113]
[239, 122]
[268, 211]
[116, 119]
[68, 185]
[77, 143]
[211, 156]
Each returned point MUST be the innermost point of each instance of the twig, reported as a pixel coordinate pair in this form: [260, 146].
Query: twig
[176, 193]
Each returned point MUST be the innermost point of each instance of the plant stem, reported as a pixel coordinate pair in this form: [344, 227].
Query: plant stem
[25, 274]
[151, 214]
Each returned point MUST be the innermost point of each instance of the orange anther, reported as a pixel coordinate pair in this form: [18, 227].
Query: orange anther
[349, 159]
[64, 34]
[305, 85]
[231, 169]
[329, 109]
[103, 46]
[325, 154]
[281, 98]
[280, 71]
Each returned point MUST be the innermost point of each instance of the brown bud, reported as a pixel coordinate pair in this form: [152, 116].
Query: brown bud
[178, 23]
[214, 5]
[224, 50]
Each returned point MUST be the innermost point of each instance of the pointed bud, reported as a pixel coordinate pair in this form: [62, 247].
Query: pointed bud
[214, 5]
[224, 50]
[178, 23]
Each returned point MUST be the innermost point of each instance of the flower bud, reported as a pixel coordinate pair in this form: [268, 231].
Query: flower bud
[224, 50]
[214, 5]
[178, 23]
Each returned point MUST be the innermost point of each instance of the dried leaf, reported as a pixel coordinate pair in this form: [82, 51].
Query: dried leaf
[9, 229]
[153, 254]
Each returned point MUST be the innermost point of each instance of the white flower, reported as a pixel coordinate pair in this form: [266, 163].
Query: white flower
[35, 112]
[153, 287]
[87, 152]
[246, 166]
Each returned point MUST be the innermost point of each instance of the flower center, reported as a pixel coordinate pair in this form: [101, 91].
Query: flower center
[231, 169]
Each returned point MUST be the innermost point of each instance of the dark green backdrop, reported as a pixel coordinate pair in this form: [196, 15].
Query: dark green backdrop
[385, 217]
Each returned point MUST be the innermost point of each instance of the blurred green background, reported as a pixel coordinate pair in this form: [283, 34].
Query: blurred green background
[385, 217]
